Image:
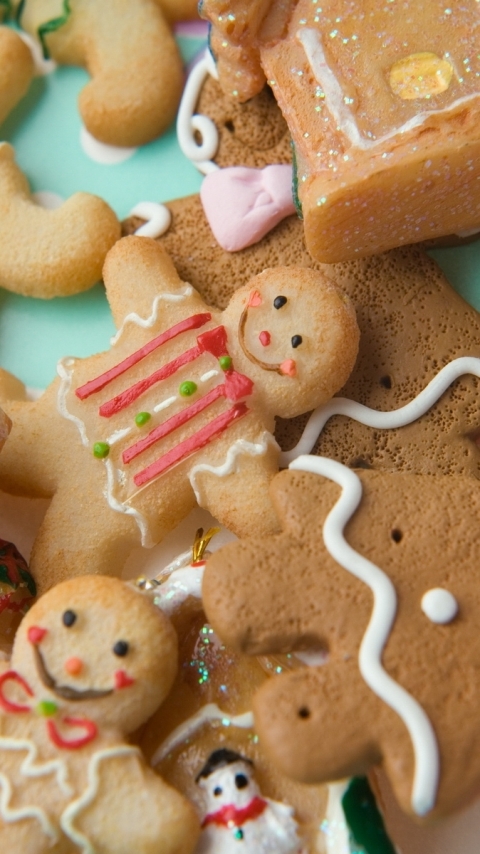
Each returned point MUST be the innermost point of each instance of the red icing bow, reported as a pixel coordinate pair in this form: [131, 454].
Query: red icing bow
[231, 816]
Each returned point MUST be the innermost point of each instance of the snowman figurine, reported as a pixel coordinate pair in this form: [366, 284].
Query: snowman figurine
[237, 817]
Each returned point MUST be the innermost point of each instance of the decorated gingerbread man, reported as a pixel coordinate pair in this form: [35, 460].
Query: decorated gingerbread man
[180, 410]
[91, 661]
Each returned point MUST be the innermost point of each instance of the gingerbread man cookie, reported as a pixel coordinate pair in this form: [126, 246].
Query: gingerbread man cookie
[179, 411]
[91, 661]
[364, 573]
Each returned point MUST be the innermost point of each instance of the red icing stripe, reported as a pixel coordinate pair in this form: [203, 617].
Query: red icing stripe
[125, 398]
[193, 443]
[172, 423]
[101, 381]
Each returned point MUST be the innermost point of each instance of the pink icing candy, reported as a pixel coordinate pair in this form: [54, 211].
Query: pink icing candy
[242, 205]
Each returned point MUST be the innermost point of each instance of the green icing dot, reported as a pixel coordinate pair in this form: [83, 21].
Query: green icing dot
[101, 450]
[188, 388]
[142, 418]
[238, 833]
[364, 818]
[225, 362]
[47, 708]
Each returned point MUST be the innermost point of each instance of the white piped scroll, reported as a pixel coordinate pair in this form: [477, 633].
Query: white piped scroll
[427, 760]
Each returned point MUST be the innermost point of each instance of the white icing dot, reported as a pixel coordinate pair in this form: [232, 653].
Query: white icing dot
[109, 155]
[439, 605]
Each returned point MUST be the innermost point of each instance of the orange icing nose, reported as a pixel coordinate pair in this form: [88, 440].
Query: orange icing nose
[288, 368]
[73, 666]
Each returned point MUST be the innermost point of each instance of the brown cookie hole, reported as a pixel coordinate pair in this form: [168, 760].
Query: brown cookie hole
[386, 381]
[304, 712]
[360, 463]
[396, 535]
[229, 126]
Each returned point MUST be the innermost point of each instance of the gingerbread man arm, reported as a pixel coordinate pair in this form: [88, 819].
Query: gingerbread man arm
[251, 509]
[136, 271]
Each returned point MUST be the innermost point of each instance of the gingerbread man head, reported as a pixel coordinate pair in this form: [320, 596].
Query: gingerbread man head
[295, 335]
[94, 651]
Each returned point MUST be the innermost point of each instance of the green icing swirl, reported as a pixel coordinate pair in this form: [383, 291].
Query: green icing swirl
[49, 26]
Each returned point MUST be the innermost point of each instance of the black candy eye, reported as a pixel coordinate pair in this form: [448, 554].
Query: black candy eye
[120, 648]
[241, 781]
[68, 618]
[217, 791]
[296, 340]
[278, 302]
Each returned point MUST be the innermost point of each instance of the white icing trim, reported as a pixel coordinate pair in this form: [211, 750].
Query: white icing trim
[65, 372]
[42, 66]
[230, 465]
[208, 713]
[158, 219]
[147, 322]
[28, 768]
[118, 435]
[381, 420]
[122, 507]
[420, 729]
[165, 403]
[208, 376]
[344, 120]
[72, 811]
[189, 123]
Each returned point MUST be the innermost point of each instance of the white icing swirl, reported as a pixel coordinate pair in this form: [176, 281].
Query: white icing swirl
[75, 807]
[148, 322]
[427, 760]
[239, 448]
[382, 420]
[189, 124]
[208, 713]
[158, 219]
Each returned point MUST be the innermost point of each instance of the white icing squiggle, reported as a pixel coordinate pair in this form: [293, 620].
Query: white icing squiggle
[427, 761]
[208, 713]
[148, 322]
[123, 507]
[188, 124]
[72, 811]
[377, 419]
[239, 448]
[158, 219]
[28, 768]
[344, 120]
[65, 372]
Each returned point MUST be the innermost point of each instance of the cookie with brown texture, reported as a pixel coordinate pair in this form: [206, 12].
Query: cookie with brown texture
[401, 692]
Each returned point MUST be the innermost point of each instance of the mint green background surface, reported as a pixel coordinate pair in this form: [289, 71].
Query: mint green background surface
[45, 130]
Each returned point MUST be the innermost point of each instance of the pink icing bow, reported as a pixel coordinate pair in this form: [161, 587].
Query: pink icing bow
[242, 205]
